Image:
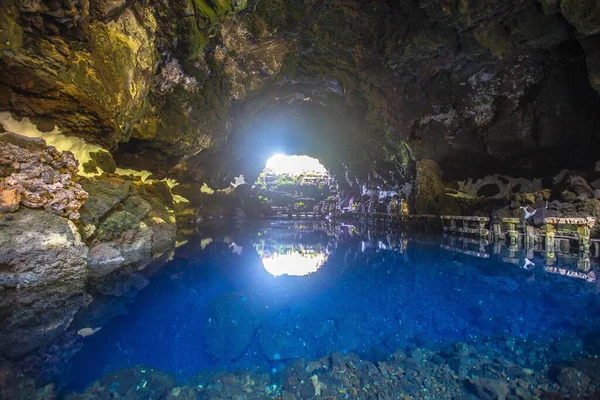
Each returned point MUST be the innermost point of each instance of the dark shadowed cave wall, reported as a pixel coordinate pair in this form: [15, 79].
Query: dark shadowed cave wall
[203, 90]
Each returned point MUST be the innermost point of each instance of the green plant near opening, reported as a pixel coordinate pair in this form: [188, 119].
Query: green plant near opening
[283, 180]
[196, 31]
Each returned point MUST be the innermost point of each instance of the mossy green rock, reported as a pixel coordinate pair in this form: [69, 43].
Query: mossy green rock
[90, 167]
[431, 197]
[104, 160]
[134, 210]
[495, 38]
[161, 191]
[96, 89]
[11, 33]
[584, 15]
[103, 198]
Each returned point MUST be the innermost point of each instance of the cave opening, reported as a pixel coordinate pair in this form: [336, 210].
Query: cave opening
[295, 184]
[298, 251]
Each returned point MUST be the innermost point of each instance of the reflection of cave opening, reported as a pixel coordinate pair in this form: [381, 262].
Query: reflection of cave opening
[295, 183]
[293, 261]
[294, 249]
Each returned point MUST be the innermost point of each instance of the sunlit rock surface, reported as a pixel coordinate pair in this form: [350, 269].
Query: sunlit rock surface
[84, 68]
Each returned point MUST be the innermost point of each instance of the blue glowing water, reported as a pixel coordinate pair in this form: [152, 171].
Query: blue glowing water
[215, 305]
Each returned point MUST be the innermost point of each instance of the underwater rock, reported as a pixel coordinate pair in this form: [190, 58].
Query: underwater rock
[572, 379]
[234, 320]
[489, 389]
[299, 341]
[14, 385]
[141, 382]
[42, 176]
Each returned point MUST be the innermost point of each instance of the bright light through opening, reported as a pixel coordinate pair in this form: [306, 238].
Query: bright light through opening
[293, 263]
[294, 165]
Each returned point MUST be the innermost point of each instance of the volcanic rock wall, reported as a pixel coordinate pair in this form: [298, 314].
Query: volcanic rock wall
[181, 87]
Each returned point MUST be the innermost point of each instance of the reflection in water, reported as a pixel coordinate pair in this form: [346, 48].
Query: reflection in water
[295, 252]
[574, 265]
[224, 302]
[293, 261]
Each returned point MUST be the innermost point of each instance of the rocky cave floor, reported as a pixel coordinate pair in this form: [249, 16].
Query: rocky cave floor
[490, 369]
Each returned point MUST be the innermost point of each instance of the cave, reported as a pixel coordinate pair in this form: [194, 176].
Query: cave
[296, 183]
[290, 199]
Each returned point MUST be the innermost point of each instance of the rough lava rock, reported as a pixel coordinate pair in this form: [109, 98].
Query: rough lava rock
[580, 187]
[86, 67]
[123, 226]
[38, 176]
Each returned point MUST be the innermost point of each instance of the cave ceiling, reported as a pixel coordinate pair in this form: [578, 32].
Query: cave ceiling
[203, 90]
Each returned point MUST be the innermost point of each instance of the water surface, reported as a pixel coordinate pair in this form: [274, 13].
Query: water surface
[256, 299]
